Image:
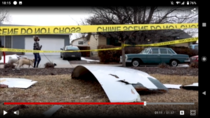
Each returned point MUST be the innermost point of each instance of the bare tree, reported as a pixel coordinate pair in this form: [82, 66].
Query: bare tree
[140, 15]
[4, 16]
[80, 35]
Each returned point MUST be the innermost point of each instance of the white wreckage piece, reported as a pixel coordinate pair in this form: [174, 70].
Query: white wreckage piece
[17, 82]
[172, 86]
[8, 57]
[193, 86]
[12, 58]
[120, 84]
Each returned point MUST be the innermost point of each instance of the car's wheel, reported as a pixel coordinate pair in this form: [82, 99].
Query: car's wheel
[174, 63]
[136, 63]
[60, 56]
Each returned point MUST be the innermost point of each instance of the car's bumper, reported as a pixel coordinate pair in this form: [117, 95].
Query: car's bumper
[71, 56]
[187, 61]
[127, 61]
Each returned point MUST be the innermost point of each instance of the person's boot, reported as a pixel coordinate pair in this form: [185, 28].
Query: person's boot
[34, 65]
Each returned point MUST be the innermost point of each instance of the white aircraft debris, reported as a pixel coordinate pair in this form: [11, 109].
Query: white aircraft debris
[172, 86]
[114, 80]
[7, 57]
[17, 82]
[193, 86]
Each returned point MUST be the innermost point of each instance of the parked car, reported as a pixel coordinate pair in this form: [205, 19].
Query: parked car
[194, 58]
[194, 46]
[156, 55]
[71, 55]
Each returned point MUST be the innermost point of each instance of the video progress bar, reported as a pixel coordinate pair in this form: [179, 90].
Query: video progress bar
[169, 103]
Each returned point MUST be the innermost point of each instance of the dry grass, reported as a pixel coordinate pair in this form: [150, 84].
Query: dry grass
[163, 65]
[194, 65]
[61, 88]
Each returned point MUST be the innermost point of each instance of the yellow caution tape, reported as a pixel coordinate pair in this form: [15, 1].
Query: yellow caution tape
[168, 42]
[118, 48]
[35, 30]
[47, 51]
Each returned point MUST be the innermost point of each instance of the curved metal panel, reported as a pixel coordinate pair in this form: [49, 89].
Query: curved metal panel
[115, 90]
[118, 82]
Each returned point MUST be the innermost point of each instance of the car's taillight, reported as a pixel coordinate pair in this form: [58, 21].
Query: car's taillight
[196, 58]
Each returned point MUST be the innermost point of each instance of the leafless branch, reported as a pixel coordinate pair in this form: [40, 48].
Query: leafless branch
[3, 15]
[141, 15]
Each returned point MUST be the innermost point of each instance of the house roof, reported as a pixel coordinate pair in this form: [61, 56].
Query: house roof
[172, 33]
[27, 25]
[78, 39]
[177, 33]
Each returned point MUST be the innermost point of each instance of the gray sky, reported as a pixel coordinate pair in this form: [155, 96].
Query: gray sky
[48, 17]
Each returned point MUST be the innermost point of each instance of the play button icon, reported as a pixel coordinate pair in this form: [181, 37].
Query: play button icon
[4, 112]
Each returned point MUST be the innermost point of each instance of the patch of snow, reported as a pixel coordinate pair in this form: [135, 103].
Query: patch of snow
[89, 59]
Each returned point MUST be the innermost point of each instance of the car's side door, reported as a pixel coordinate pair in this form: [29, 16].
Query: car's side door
[164, 56]
[154, 56]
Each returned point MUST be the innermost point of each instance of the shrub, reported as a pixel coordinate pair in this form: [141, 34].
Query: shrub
[114, 55]
[163, 65]
[185, 50]
[49, 65]
[108, 55]
[9, 65]
[194, 64]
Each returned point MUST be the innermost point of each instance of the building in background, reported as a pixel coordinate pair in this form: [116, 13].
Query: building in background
[48, 42]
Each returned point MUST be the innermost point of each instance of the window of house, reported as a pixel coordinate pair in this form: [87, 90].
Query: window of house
[80, 42]
[8, 42]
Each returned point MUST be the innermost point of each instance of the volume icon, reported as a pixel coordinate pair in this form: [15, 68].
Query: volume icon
[16, 112]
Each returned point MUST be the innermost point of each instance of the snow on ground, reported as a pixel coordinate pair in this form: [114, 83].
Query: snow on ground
[89, 59]
[14, 56]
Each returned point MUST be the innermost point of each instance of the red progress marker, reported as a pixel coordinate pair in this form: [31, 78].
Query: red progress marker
[74, 103]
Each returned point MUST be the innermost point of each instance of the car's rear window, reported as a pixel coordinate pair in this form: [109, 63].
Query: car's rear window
[171, 51]
[145, 51]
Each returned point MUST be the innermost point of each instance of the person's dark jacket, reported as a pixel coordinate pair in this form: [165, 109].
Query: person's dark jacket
[37, 46]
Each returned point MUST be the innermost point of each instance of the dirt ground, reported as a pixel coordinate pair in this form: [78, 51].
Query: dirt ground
[62, 88]
[60, 71]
